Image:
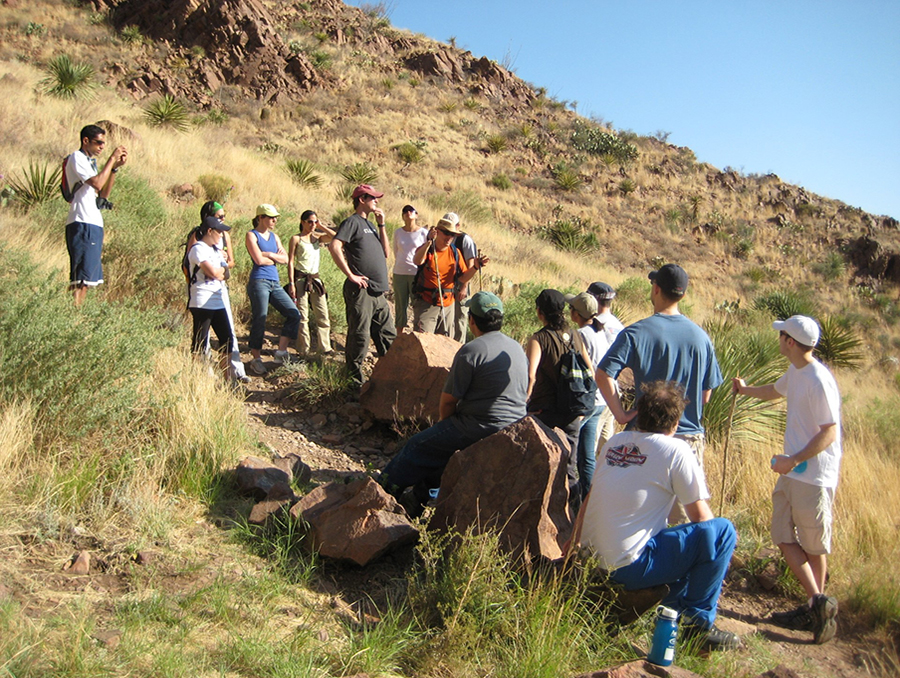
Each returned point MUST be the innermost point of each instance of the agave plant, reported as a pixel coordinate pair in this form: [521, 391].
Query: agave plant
[303, 172]
[37, 185]
[360, 173]
[753, 355]
[783, 304]
[838, 345]
[68, 80]
[167, 111]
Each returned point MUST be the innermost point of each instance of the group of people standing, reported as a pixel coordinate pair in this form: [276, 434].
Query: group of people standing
[635, 489]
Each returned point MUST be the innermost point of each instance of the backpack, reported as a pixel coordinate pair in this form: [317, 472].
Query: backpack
[419, 281]
[68, 192]
[192, 239]
[576, 389]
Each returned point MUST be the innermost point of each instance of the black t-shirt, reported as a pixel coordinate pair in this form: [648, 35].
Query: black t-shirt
[363, 251]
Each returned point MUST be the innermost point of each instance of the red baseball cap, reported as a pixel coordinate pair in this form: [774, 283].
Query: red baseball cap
[365, 189]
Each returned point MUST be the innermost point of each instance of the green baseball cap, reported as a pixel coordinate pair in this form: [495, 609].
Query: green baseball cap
[482, 302]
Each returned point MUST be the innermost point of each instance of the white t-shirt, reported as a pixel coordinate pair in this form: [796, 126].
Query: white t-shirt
[83, 207]
[597, 344]
[405, 245]
[611, 325]
[637, 479]
[206, 292]
[813, 401]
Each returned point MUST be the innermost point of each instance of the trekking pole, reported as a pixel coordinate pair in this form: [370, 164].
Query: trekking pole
[437, 273]
[480, 273]
[725, 450]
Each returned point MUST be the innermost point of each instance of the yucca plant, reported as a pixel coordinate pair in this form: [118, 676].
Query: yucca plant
[37, 185]
[838, 345]
[68, 80]
[496, 143]
[167, 111]
[566, 178]
[303, 172]
[360, 173]
[783, 304]
[753, 355]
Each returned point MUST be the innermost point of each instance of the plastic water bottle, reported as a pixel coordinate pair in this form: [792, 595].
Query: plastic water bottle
[799, 468]
[662, 650]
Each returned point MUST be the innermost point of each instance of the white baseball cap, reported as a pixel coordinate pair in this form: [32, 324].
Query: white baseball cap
[800, 328]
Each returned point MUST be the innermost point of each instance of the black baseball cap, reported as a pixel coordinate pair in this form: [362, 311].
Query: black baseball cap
[671, 279]
[602, 291]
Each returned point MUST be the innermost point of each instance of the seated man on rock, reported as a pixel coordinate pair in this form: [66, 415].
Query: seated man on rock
[622, 523]
[484, 392]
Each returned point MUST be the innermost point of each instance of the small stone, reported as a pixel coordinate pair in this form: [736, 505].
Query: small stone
[323, 636]
[110, 638]
[370, 451]
[354, 419]
[290, 424]
[81, 564]
[145, 557]
[768, 578]
[332, 439]
[366, 425]
[318, 420]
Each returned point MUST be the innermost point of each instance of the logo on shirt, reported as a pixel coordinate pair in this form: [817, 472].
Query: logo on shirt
[625, 456]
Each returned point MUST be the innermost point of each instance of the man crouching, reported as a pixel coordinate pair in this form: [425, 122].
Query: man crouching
[623, 521]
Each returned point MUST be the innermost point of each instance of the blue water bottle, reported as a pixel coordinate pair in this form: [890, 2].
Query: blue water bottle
[662, 650]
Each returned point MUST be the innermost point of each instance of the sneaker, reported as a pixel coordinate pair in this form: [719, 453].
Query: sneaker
[242, 379]
[712, 638]
[257, 367]
[824, 611]
[800, 619]
[281, 357]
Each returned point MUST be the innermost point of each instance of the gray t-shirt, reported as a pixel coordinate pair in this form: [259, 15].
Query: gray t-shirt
[489, 376]
[364, 253]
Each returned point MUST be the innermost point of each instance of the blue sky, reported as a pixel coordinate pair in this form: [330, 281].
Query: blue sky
[808, 90]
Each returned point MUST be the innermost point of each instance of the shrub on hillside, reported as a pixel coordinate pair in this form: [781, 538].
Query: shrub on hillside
[303, 172]
[411, 152]
[782, 304]
[838, 346]
[68, 80]
[574, 235]
[167, 112]
[215, 186]
[37, 185]
[360, 173]
[501, 181]
[598, 142]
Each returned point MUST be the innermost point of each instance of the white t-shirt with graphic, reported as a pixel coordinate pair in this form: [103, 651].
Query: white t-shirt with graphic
[206, 292]
[637, 479]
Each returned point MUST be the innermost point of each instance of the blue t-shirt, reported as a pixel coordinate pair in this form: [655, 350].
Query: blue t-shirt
[669, 348]
[269, 271]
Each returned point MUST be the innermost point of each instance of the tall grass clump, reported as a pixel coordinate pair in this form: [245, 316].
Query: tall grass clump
[37, 185]
[167, 112]
[324, 382]
[303, 172]
[68, 80]
[216, 187]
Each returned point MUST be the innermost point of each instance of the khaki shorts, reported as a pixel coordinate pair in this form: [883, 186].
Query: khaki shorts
[801, 514]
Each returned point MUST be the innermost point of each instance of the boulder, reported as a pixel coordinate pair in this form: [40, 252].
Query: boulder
[407, 381]
[256, 477]
[513, 481]
[358, 521]
[279, 496]
[641, 669]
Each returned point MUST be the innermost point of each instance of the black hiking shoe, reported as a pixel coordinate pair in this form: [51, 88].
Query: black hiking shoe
[800, 619]
[710, 639]
[824, 611]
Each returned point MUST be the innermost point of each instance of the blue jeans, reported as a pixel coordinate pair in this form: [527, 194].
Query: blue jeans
[421, 462]
[692, 559]
[587, 449]
[263, 292]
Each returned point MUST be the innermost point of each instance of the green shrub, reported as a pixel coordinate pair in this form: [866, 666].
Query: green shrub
[574, 235]
[596, 141]
[566, 178]
[472, 104]
[35, 29]
[783, 304]
[132, 35]
[324, 383]
[37, 185]
[360, 173]
[91, 390]
[168, 112]
[67, 80]
[501, 181]
[627, 187]
[303, 172]
[411, 152]
[217, 116]
[321, 59]
[216, 187]
[447, 106]
[832, 267]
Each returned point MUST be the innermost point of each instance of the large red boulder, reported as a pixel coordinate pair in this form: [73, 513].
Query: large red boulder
[513, 481]
[357, 521]
[407, 381]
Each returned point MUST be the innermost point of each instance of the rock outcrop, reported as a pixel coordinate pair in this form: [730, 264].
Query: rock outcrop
[513, 481]
[407, 381]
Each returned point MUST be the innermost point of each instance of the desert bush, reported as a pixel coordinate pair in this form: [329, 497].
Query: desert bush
[321, 59]
[167, 112]
[447, 106]
[215, 186]
[360, 173]
[132, 35]
[68, 80]
[411, 152]
[35, 29]
[37, 185]
[627, 187]
[598, 142]
[832, 267]
[217, 116]
[782, 304]
[303, 172]
[565, 177]
[324, 383]
[838, 345]
[472, 104]
[501, 181]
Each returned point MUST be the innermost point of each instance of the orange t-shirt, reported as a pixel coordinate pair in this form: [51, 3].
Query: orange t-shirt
[446, 264]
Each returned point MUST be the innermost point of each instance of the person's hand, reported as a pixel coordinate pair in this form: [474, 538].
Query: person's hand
[379, 216]
[482, 260]
[292, 292]
[120, 156]
[432, 234]
[360, 280]
[737, 384]
[783, 463]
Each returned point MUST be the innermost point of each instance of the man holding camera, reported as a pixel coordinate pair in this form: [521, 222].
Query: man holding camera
[90, 192]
